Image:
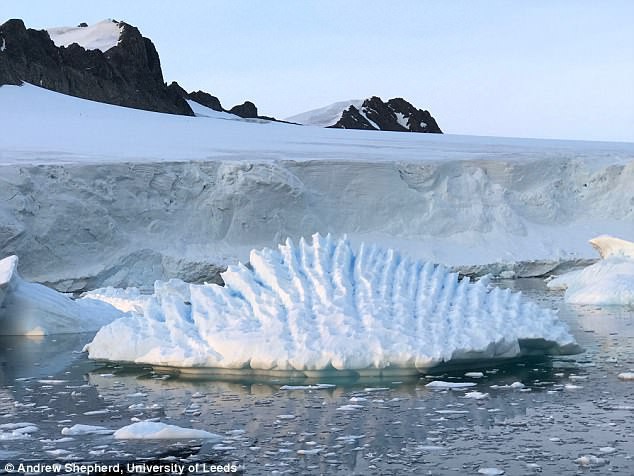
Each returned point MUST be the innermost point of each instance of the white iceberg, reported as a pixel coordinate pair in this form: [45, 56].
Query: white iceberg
[33, 309]
[610, 281]
[321, 307]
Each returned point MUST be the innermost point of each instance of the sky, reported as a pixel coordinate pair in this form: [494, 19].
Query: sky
[545, 68]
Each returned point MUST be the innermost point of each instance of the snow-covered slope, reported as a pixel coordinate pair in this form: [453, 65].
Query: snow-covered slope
[610, 281]
[319, 306]
[100, 36]
[94, 195]
[324, 116]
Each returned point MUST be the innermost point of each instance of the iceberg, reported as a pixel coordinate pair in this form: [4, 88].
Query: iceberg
[320, 308]
[610, 281]
[33, 309]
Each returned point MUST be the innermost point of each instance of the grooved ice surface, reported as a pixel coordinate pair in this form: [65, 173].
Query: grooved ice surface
[320, 306]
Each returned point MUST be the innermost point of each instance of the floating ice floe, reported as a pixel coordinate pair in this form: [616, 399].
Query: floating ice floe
[610, 281]
[80, 429]
[17, 431]
[151, 430]
[321, 307]
[33, 309]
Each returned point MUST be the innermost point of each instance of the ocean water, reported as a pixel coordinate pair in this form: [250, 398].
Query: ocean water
[560, 415]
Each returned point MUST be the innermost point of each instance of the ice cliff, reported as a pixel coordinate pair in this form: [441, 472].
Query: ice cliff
[93, 195]
[319, 307]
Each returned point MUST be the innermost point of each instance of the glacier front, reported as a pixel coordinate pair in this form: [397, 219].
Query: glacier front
[320, 307]
[93, 195]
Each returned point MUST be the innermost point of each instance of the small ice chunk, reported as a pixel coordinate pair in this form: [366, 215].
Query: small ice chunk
[319, 386]
[431, 448]
[476, 395]
[314, 451]
[350, 408]
[607, 449]
[443, 384]
[490, 471]
[58, 452]
[138, 394]
[80, 429]
[515, 385]
[474, 374]
[590, 460]
[626, 376]
[150, 430]
[97, 412]
[286, 417]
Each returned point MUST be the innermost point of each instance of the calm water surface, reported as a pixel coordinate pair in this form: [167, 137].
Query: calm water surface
[565, 409]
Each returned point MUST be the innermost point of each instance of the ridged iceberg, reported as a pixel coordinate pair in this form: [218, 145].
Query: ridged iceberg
[320, 307]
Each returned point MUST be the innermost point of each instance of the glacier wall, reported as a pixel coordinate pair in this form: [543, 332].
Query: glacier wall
[319, 306]
[80, 226]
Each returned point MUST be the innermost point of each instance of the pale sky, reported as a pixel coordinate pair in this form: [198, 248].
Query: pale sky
[545, 68]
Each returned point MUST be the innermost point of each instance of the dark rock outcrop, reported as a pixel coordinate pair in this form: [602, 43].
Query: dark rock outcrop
[206, 99]
[128, 74]
[246, 110]
[394, 115]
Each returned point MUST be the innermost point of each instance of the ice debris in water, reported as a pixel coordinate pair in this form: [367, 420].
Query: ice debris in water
[322, 307]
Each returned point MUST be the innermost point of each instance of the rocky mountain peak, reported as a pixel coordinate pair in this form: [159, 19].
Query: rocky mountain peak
[127, 74]
[394, 115]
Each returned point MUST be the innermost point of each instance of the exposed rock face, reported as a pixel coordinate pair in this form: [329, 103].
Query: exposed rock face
[394, 115]
[128, 74]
